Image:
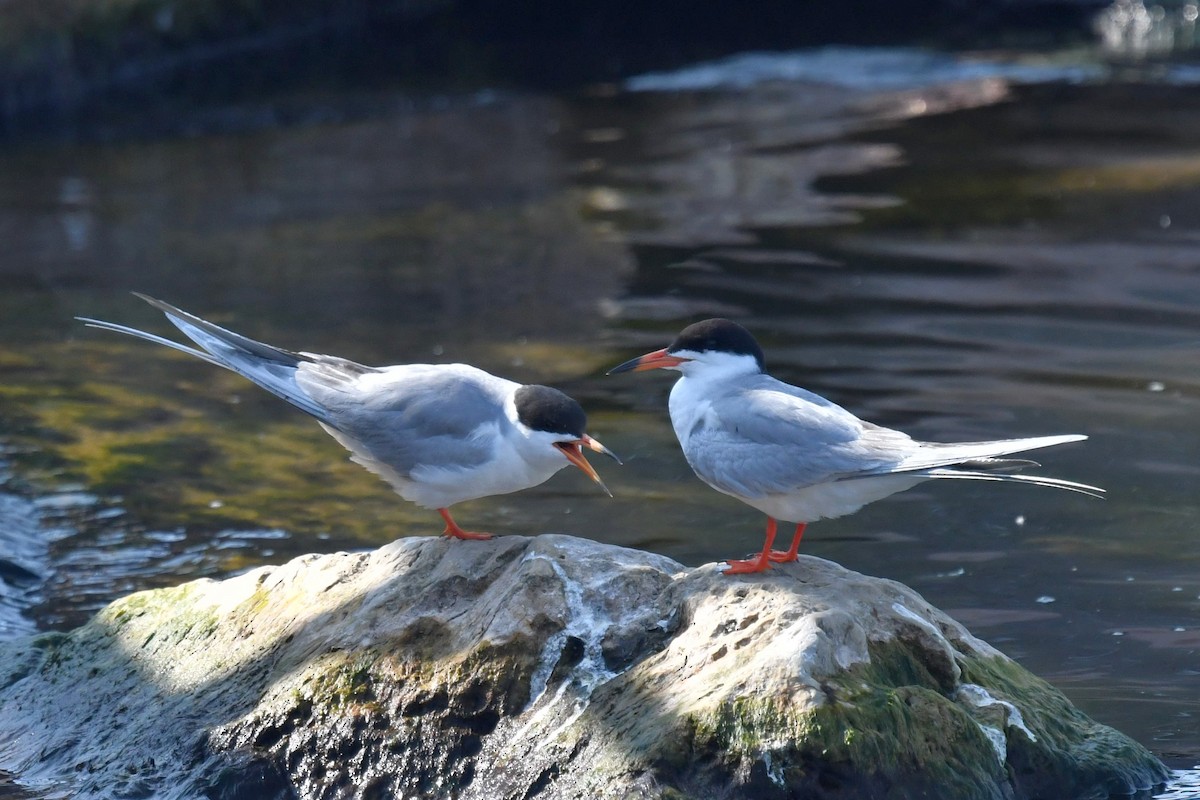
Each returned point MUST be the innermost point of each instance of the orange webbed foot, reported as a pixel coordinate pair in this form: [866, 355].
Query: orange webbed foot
[760, 563]
[793, 552]
[747, 566]
[455, 532]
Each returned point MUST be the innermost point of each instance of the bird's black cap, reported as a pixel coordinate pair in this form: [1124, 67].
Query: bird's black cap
[541, 408]
[719, 336]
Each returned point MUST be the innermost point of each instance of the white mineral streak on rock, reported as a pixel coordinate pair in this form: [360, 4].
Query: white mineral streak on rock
[586, 623]
[937, 641]
[774, 771]
[981, 698]
[591, 613]
[921, 622]
[998, 739]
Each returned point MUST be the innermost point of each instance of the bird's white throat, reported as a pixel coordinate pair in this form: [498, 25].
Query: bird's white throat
[705, 377]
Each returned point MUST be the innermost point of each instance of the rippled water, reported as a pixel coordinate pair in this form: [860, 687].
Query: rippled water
[863, 68]
[959, 256]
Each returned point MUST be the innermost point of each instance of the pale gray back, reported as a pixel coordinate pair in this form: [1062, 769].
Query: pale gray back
[410, 416]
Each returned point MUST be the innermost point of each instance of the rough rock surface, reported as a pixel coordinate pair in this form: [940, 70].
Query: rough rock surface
[546, 667]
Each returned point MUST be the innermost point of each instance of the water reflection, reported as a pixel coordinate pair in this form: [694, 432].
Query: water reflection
[454, 219]
[21, 564]
[1185, 785]
[75, 197]
[869, 69]
[712, 168]
[1130, 29]
[991, 269]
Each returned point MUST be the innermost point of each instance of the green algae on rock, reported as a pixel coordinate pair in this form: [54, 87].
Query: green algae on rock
[548, 666]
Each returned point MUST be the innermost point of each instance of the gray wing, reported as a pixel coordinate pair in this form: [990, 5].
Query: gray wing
[774, 438]
[410, 416]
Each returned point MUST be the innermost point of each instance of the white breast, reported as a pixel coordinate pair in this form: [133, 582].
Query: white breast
[688, 406]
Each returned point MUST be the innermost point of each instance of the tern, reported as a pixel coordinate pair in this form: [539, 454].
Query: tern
[796, 456]
[438, 434]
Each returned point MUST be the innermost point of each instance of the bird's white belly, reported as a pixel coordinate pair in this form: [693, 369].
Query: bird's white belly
[441, 487]
[834, 499]
[434, 487]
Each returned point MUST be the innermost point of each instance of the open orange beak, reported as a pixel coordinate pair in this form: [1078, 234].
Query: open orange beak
[659, 359]
[574, 453]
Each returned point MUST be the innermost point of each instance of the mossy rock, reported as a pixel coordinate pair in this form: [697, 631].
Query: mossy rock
[552, 667]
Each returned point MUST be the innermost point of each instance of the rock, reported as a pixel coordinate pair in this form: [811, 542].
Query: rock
[549, 667]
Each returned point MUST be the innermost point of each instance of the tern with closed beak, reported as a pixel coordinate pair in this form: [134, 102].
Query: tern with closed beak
[796, 456]
[439, 434]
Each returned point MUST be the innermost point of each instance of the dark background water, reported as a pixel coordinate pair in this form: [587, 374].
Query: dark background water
[963, 247]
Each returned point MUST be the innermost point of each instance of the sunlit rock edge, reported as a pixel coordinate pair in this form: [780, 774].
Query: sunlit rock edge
[551, 667]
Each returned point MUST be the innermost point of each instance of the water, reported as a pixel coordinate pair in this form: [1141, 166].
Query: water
[964, 258]
[864, 68]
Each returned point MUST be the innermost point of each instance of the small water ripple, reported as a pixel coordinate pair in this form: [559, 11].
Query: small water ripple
[870, 68]
[23, 565]
[1184, 785]
[68, 553]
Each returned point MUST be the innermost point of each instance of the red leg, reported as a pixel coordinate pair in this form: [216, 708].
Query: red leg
[453, 531]
[793, 552]
[759, 564]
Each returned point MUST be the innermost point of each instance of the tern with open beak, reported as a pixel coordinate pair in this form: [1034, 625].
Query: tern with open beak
[439, 434]
[796, 456]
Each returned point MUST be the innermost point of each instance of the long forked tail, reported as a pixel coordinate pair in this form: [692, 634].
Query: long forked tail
[984, 461]
[272, 368]
[1033, 480]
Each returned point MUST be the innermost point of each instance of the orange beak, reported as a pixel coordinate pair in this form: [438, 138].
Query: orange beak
[659, 359]
[574, 453]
